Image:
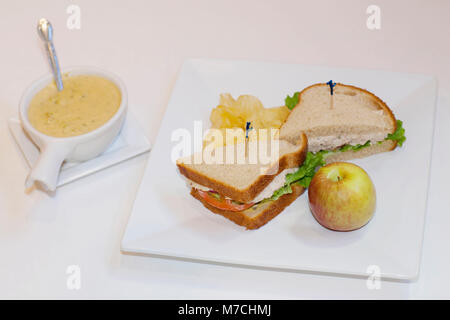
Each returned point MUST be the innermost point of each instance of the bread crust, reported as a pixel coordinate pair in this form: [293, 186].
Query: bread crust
[247, 218]
[287, 161]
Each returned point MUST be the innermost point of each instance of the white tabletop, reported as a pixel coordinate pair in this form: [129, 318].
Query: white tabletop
[145, 43]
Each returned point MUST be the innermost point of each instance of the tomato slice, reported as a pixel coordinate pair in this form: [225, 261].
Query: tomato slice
[222, 203]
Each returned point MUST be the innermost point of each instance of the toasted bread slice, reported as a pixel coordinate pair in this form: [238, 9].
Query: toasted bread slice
[259, 214]
[243, 182]
[351, 116]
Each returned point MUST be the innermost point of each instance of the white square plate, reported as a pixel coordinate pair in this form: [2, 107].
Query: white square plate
[166, 221]
[130, 142]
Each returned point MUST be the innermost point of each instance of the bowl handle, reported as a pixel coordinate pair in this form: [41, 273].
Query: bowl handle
[46, 169]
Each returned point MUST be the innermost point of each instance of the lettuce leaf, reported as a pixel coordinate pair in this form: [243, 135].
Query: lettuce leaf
[282, 191]
[360, 146]
[291, 102]
[398, 135]
[303, 175]
[345, 148]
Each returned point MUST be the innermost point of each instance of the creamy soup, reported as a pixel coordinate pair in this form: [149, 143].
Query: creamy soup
[85, 103]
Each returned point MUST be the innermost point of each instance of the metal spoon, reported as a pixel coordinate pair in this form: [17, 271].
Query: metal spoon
[45, 31]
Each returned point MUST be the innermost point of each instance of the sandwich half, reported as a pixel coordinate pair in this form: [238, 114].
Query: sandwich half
[249, 194]
[351, 123]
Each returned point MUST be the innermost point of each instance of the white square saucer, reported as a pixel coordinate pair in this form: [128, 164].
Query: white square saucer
[130, 142]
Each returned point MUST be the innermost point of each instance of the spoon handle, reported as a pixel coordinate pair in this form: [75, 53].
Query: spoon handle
[55, 64]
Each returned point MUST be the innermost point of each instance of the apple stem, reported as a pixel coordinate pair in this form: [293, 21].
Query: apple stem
[334, 176]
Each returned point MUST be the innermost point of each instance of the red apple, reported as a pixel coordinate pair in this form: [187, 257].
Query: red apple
[342, 196]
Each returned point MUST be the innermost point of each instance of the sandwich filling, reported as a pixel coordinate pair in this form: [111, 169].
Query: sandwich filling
[222, 202]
